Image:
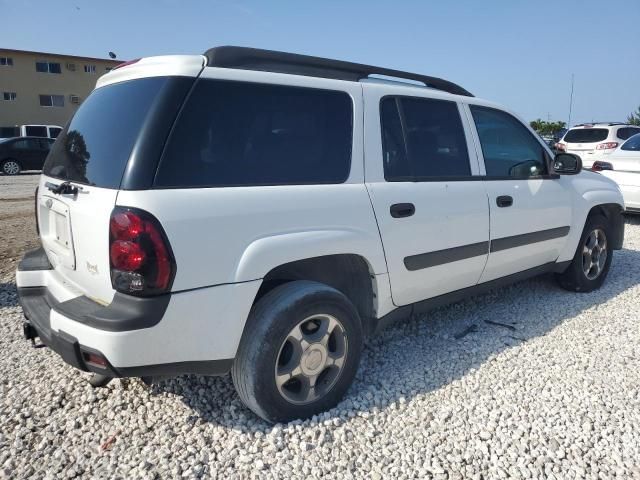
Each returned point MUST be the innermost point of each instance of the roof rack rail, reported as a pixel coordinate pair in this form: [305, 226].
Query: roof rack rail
[610, 124]
[292, 63]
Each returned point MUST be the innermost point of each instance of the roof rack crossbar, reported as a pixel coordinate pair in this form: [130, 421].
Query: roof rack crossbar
[292, 63]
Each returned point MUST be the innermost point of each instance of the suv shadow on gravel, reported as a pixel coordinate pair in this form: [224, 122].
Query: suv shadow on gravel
[429, 351]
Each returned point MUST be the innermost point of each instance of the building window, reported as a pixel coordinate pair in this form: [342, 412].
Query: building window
[89, 69]
[9, 96]
[52, 100]
[6, 62]
[48, 67]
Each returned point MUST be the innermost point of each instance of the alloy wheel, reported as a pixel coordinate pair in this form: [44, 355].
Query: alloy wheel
[594, 254]
[10, 167]
[311, 359]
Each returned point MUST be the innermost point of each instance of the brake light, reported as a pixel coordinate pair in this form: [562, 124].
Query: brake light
[599, 166]
[607, 145]
[124, 64]
[140, 255]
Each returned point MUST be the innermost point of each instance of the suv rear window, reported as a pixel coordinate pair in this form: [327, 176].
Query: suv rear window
[241, 134]
[95, 147]
[586, 135]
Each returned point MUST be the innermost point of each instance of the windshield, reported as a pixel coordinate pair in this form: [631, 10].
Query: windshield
[632, 144]
[586, 135]
[95, 147]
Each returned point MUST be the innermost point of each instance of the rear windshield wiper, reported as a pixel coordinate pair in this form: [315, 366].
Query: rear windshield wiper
[65, 188]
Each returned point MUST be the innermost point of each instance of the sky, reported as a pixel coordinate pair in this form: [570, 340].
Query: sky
[519, 53]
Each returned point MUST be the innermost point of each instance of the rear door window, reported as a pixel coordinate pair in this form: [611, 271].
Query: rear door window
[586, 135]
[422, 139]
[95, 147]
[633, 144]
[241, 134]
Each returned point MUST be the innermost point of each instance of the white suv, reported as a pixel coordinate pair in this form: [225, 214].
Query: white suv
[261, 213]
[595, 141]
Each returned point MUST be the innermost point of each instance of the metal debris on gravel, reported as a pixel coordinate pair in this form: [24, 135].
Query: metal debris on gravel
[558, 397]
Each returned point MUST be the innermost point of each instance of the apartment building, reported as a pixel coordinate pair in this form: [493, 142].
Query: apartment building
[45, 88]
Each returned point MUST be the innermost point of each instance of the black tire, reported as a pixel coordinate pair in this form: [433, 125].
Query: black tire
[268, 327]
[10, 166]
[574, 278]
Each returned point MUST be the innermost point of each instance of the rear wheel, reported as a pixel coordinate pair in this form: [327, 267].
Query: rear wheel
[299, 353]
[10, 167]
[590, 264]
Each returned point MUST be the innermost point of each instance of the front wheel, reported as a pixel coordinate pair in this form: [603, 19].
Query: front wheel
[10, 167]
[590, 264]
[299, 352]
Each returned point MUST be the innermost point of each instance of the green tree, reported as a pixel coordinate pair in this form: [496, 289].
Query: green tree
[634, 118]
[546, 128]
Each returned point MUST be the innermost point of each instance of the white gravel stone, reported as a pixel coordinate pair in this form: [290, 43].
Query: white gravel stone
[558, 397]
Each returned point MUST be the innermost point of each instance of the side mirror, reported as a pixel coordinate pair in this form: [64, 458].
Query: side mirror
[567, 164]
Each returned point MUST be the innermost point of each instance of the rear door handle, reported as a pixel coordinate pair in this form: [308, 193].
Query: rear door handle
[401, 210]
[504, 201]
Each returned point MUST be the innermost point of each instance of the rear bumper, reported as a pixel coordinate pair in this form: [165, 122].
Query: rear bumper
[190, 332]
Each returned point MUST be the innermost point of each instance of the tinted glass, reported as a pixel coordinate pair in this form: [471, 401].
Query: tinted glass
[42, 67]
[54, 132]
[95, 147]
[45, 101]
[632, 144]
[508, 147]
[627, 132]
[237, 133]
[428, 142]
[54, 68]
[586, 135]
[36, 131]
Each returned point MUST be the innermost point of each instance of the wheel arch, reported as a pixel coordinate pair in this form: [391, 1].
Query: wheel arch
[350, 274]
[613, 213]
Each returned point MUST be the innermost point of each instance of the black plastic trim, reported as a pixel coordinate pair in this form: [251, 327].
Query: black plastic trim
[505, 243]
[34, 260]
[125, 313]
[406, 311]
[469, 178]
[282, 62]
[145, 156]
[632, 210]
[440, 257]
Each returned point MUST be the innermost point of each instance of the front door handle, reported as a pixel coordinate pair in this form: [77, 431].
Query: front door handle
[504, 201]
[401, 210]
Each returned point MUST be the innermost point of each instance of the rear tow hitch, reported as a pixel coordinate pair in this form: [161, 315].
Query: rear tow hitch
[31, 333]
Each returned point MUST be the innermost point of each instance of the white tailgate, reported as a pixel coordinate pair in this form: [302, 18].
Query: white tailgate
[74, 230]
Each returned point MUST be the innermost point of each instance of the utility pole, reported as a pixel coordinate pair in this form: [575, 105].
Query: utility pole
[570, 103]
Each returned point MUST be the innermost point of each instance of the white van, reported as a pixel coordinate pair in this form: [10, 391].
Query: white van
[47, 131]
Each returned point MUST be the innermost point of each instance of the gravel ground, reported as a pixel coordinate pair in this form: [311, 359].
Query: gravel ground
[550, 389]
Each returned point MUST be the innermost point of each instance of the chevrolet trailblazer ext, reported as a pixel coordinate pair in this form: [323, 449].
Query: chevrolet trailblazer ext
[261, 212]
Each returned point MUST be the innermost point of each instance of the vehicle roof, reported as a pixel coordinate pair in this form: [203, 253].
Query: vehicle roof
[281, 63]
[603, 124]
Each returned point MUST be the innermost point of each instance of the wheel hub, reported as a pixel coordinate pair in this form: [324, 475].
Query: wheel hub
[313, 359]
[594, 254]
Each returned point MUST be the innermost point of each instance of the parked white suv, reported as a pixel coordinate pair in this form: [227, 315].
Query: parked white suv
[261, 213]
[595, 141]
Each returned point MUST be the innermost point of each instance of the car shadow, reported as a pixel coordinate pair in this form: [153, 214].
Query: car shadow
[448, 342]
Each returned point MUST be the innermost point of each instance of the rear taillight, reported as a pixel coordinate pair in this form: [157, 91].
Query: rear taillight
[607, 145]
[600, 166]
[139, 253]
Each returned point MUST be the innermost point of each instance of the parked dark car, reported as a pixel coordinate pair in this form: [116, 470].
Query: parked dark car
[23, 153]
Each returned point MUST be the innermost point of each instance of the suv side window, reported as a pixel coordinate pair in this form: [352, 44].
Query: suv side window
[248, 134]
[509, 149]
[422, 138]
[627, 132]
